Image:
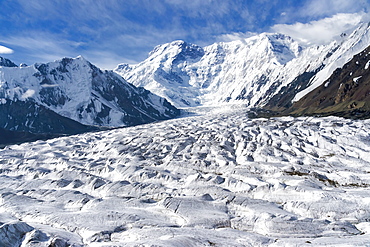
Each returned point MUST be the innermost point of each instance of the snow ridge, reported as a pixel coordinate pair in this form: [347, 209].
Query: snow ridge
[76, 89]
[249, 71]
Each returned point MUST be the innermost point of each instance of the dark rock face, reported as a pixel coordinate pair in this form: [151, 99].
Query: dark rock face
[187, 51]
[28, 116]
[15, 137]
[129, 99]
[283, 99]
[7, 63]
[346, 93]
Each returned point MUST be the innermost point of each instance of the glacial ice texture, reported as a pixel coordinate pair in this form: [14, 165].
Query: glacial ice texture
[208, 180]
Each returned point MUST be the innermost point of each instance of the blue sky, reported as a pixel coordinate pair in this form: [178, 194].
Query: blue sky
[108, 32]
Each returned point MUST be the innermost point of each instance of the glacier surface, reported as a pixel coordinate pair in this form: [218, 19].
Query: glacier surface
[211, 179]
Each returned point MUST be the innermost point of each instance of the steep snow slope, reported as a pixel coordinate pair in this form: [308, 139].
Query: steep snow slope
[345, 93]
[251, 71]
[77, 90]
[214, 180]
[164, 72]
[343, 53]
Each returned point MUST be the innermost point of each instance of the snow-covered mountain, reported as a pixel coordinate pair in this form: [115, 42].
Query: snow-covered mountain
[267, 69]
[346, 92]
[67, 95]
[213, 178]
[6, 62]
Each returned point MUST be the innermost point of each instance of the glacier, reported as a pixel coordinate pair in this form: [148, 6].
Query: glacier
[212, 178]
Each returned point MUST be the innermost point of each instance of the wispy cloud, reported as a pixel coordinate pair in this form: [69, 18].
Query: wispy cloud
[305, 11]
[46, 47]
[324, 8]
[321, 31]
[5, 50]
[235, 36]
[126, 31]
[40, 47]
[105, 59]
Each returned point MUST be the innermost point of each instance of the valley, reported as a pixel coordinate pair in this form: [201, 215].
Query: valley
[259, 141]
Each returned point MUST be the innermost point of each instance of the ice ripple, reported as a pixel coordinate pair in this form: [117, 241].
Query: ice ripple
[205, 180]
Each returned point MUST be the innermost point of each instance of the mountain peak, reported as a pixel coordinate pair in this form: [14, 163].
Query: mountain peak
[6, 62]
[69, 59]
[252, 70]
[282, 46]
[189, 75]
[178, 50]
[179, 43]
[123, 67]
[74, 89]
[80, 57]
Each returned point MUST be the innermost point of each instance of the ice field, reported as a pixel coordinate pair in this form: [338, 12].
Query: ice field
[216, 179]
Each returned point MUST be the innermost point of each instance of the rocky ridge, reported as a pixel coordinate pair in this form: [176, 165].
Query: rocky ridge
[73, 96]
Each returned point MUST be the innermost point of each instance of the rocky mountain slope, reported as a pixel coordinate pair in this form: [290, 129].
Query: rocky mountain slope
[16, 137]
[270, 70]
[6, 63]
[345, 93]
[70, 96]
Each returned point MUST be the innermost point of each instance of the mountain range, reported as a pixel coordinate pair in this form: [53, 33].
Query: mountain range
[216, 177]
[72, 96]
[268, 71]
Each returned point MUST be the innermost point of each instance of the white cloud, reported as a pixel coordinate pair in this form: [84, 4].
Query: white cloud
[321, 8]
[322, 31]
[5, 50]
[41, 47]
[46, 47]
[235, 36]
